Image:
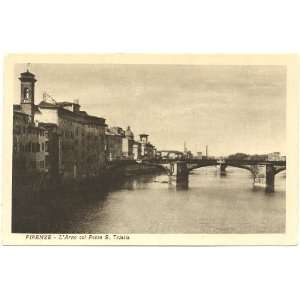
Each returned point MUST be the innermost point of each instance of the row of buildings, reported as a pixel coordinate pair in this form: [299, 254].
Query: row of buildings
[60, 138]
[120, 144]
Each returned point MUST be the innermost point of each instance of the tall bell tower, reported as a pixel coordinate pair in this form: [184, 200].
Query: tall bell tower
[27, 93]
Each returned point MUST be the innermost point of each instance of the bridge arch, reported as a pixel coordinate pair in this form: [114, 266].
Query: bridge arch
[190, 168]
[279, 170]
[245, 167]
[166, 167]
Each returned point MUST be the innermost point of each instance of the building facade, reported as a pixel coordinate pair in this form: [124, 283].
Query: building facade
[80, 138]
[29, 144]
[137, 150]
[29, 138]
[120, 144]
[114, 143]
[128, 142]
[148, 151]
[56, 137]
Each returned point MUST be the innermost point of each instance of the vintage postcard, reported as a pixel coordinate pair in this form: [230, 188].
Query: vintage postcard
[150, 150]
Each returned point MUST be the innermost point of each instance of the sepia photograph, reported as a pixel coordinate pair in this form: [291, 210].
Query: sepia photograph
[150, 150]
[110, 149]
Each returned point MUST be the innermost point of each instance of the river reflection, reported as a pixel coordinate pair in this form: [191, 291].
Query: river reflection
[211, 204]
[154, 204]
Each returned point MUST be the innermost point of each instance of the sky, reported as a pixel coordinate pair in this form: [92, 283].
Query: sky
[229, 108]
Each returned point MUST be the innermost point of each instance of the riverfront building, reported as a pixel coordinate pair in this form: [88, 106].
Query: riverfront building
[114, 142]
[147, 149]
[57, 136]
[137, 150]
[120, 144]
[128, 142]
[29, 144]
[29, 138]
[81, 140]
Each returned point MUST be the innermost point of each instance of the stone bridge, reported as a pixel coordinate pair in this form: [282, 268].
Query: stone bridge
[263, 172]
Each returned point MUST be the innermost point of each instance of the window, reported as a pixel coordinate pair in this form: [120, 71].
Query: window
[43, 146]
[46, 146]
[47, 162]
[17, 129]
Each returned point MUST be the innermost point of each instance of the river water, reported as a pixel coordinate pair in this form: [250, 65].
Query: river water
[153, 204]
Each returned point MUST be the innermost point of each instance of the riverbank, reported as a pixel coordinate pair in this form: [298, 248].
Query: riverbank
[34, 186]
[38, 200]
[140, 169]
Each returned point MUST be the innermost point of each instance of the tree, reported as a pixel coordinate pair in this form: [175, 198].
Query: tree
[238, 156]
[259, 157]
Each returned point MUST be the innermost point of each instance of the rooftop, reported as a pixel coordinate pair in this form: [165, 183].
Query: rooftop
[61, 106]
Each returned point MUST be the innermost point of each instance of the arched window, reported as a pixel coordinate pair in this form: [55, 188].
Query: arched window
[26, 94]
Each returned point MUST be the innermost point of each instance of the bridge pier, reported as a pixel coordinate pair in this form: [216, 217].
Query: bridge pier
[270, 178]
[266, 178]
[263, 172]
[180, 171]
[223, 169]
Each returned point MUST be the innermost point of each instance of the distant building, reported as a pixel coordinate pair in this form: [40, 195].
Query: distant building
[128, 142]
[158, 154]
[137, 150]
[274, 156]
[121, 144]
[147, 149]
[188, 155]
[199, 155]
[171, 154]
